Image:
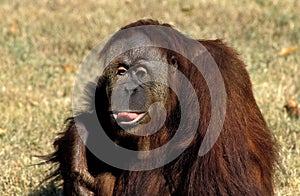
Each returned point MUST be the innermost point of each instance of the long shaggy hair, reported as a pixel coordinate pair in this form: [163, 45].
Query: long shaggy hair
[241, 162]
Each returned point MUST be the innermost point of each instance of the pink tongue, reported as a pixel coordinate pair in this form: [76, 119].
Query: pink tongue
[127, 116]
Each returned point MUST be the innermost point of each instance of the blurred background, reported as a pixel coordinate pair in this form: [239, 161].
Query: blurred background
[43, 42]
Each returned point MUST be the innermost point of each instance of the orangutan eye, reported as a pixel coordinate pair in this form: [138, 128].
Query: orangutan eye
[121, 70]
[141, 72]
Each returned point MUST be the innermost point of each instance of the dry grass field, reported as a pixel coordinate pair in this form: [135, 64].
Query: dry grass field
[43, 42]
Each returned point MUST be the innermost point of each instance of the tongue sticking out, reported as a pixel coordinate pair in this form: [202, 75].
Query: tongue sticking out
[127, 116]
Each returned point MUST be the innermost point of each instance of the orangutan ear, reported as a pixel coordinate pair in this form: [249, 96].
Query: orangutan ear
[173, 61]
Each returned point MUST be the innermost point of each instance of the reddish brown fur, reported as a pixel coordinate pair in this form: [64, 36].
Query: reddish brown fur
[241, 162]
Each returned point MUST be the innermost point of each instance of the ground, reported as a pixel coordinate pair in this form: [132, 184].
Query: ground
[43, 42]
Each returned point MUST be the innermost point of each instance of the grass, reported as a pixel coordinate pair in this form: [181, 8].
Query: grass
[38, 37]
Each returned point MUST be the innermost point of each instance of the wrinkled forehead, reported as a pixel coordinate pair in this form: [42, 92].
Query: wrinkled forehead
[130, 46]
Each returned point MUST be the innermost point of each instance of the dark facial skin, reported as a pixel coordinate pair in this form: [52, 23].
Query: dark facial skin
[136, 80]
